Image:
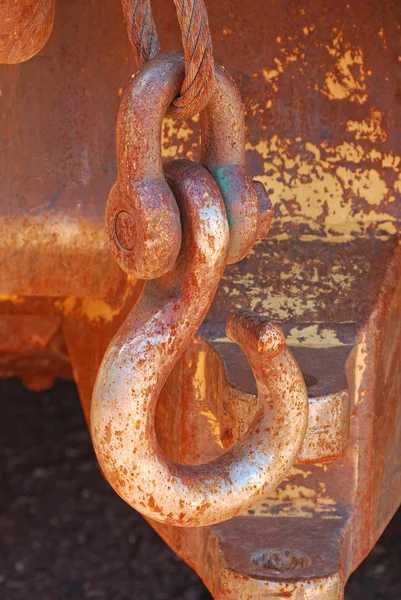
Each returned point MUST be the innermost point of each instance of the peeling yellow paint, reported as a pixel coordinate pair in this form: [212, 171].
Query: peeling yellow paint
[183, 131]
[340, 192]
[313, 336]
[308, 30]
[305, 336]
[271, 75]
[383, 38]
[361, 362]
[199, 381]
[280, 306]
[348, 80]
[369, 129]
[312, 189]
[390, 161]
[93, 309]
[291, 500]
[214, 426]
[364, 183]
[301, 472]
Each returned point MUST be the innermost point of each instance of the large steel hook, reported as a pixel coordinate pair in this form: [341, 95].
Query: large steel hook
[147, 236]
[143, 353]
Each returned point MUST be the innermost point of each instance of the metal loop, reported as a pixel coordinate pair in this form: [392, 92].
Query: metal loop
[197, 84]
[142, 219]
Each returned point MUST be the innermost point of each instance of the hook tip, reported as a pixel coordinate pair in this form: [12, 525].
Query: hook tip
[253, 332]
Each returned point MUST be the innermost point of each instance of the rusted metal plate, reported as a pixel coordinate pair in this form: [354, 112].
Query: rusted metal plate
[187, 430]
[309, 128]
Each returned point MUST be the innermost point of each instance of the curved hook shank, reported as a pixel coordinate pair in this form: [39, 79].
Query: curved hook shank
[143, 353]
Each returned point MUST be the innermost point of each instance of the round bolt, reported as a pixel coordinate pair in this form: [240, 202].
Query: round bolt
[125, 230]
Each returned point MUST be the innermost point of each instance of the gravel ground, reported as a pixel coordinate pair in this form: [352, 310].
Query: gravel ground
[65, 535]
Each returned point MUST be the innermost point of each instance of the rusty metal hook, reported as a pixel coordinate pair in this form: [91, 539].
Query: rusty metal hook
[143, 353]
[143, 223]
[142, 220]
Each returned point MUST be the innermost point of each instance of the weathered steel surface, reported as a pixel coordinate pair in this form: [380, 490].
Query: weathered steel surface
[321, 92]
[25, 27]
[65, 166]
